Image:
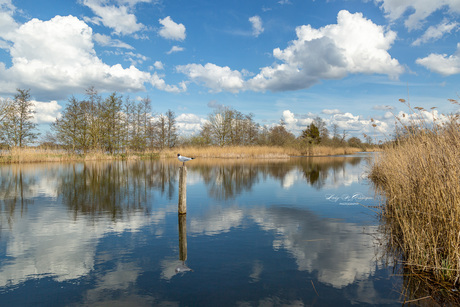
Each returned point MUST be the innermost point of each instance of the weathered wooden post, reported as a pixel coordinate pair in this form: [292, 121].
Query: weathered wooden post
[182, 237]
[183, 189]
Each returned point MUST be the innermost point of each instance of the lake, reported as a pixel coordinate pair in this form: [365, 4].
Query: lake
[294, 232]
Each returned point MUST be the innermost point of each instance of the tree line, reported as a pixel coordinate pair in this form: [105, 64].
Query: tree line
[116, 125]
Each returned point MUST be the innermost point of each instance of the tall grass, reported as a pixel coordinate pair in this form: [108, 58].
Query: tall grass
[259, 152]
[25, 155]
[419, 175]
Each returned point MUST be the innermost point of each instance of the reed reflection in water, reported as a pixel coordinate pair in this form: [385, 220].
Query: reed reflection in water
[255, 232]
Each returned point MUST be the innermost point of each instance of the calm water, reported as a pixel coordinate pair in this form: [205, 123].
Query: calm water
[256, 233]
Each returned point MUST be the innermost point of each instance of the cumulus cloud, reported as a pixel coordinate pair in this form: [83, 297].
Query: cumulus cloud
[214, 77]
[118, 18]
[189, 123]
[442, 63]
[257, 27]
[353, 45]
[331, 111]
[172, 30]
[175, 49]
[418, 10]
[434, 33]
[158, 65]
[354, 125]
[46, 112]
[105, 40]
[57, 57]
[7, 23]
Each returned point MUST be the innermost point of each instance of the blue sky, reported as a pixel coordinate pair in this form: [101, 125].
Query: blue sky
[346, 61]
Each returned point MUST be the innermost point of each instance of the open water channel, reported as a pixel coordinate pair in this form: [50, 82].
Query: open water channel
[291, 232]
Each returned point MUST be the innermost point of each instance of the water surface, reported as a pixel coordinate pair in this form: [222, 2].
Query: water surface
[290, 232]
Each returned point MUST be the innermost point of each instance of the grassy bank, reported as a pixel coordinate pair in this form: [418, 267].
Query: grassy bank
[28, 155]
[419, 176]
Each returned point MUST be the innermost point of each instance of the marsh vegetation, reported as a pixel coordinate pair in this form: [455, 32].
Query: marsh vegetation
[419, 176]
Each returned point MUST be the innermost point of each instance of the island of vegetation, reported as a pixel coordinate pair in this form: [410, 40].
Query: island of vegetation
[114, 127]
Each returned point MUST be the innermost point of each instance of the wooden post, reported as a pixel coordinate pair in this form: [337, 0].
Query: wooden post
[182, 237]
[183, 189]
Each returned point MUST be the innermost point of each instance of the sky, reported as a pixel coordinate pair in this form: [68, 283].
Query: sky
[347, 61]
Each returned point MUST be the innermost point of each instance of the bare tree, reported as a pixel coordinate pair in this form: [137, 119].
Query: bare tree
[17, 126]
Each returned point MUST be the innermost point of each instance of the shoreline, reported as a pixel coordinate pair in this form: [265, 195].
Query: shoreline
[39, 155]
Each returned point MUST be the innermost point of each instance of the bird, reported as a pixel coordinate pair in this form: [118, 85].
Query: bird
[183, 159]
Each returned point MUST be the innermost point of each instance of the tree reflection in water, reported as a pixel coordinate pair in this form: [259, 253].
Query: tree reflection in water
[115, 187]
[120, 187]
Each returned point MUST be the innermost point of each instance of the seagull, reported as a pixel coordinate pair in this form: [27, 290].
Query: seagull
[183, 159]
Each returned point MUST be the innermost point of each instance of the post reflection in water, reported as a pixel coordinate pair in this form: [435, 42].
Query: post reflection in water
[103, 233]
[183, 244]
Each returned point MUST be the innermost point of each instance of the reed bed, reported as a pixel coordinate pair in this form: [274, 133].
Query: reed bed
[256, 152]
[29, 155]
[419, 177]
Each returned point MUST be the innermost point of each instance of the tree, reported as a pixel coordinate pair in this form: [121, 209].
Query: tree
[312, 134]
[171, 132]
[72, 128]
[321, 125]
[92, 111]
[111, 126]
[355, 142]
[161, 132]
[4, 106]
[226, 126]
[17, 126]
[279, 136]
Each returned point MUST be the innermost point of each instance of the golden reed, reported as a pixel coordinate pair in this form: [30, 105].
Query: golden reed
[419, 177]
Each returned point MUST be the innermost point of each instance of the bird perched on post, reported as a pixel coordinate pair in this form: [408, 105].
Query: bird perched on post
[183, 159]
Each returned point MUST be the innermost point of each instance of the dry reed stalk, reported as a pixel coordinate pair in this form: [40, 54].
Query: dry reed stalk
[257, 152]
[420, 179]
[28, 155]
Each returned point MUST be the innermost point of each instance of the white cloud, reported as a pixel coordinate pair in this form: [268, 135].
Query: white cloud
[7, 23]
[214, 77]
[353, 45]
[383, 107]
[172, 30]
[331, 111]
[118, 18]
[175, 49]
[57, 57]
[105, 40]
[434, 33]
[442, 63]
[189, 123]
[160, 84]
[257, 27]
[418, 10]
[158, 65]
[46, 112]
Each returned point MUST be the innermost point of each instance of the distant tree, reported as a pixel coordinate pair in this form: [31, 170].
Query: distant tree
[311, 134]
[279, 136]
[322, 128]
[72, 129]
[92, 108]
[111, 123]
[171, 132]
[355, 142]
[4, 107]
[17, 126]
[161, 128]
